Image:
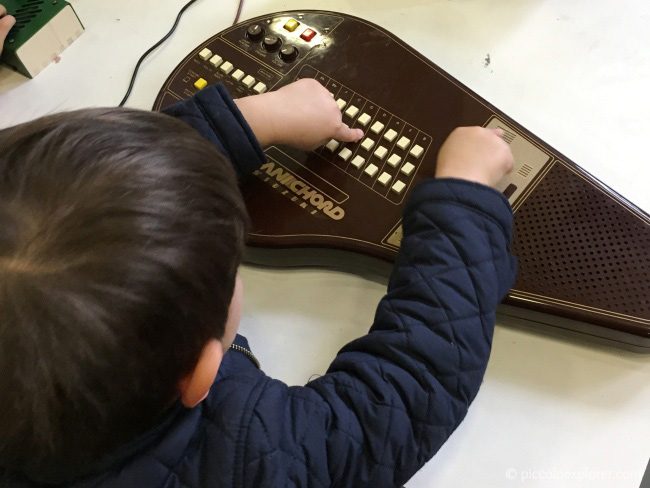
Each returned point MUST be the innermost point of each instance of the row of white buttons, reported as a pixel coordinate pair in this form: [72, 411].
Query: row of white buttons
[226, 67]
[394, 160]
[359, 161]
[380, 152]
[372, 169]
[390, 135]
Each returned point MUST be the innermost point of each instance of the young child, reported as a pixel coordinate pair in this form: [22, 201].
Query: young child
[121, 232]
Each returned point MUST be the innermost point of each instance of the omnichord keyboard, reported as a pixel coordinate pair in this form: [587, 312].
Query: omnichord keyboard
[583, 250]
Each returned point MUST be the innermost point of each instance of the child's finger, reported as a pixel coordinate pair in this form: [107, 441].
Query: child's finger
[6, 23]
[345, 134]
[3, 11]
[499, 132]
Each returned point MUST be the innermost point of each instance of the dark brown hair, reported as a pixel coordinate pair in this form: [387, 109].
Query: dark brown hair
[120, 236]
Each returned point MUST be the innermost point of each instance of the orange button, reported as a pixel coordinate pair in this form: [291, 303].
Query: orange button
[308, 35]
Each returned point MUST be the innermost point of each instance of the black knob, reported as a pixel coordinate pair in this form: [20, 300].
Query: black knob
[271, 43]
[289, 53]
[255, 32]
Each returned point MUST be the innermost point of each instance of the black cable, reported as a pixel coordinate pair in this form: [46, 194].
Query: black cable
[239, 8]
[150, 50]
[155, 46]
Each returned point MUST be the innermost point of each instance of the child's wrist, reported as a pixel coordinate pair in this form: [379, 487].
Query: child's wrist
[281, 119]
[258, 110]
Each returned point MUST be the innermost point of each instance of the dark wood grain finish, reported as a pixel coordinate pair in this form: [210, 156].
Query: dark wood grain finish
[583, 249]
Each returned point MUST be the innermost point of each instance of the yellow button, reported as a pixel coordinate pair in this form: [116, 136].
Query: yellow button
[200, 84]
[291, 25]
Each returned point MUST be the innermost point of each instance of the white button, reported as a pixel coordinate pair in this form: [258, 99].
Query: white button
[333, 145]
[390, 135]
[394, 160]
[226, 67]
[367, 144]
[345, 154]
[364, 119]
[381, 152]
[377, 127]
[248, 81]
[352, 111]
[371, 170]
[358, 161]
[216, 60]
[384, 179]
[398, 187]
[205, 54]
[238, 74]
[341, 103]
[403, 143]
[260, 88]
[416, 151]
[407, 169]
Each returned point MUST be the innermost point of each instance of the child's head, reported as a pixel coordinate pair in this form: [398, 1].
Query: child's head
[120, 237]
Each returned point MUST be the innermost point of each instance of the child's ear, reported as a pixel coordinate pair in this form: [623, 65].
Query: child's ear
[196, 385]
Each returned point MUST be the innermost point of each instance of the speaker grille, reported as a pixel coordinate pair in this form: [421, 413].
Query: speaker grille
[25, 14]
[578, 245]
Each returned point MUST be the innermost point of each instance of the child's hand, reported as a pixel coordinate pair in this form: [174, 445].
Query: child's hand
[303, 115]
[310, 116]
[475, 154]
[6, 23]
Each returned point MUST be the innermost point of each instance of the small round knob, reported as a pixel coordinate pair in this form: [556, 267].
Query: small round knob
[255, 32]
[289, 53]
[272, 43]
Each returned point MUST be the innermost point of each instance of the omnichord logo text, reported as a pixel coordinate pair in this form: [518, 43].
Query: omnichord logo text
[302, 190]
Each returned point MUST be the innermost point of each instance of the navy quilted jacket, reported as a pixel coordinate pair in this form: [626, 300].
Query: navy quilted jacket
[389, 400]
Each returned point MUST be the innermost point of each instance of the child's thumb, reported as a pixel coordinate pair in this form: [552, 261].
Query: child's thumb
[345, 134]
[6, 23]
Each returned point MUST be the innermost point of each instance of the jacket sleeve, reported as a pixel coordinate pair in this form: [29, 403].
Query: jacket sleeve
[213, 113]
[391, 398]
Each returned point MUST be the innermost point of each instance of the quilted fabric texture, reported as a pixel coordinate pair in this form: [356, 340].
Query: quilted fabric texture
[215, 116]
[389, 400]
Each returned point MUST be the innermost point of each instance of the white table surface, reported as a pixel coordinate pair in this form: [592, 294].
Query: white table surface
[552, 412]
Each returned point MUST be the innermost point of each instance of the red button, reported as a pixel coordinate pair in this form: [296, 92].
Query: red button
[308, 35]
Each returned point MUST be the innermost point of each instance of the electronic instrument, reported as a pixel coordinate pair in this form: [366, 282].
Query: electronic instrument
[583, 250]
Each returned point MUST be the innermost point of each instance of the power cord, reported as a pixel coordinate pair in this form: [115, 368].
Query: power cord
[156, 45]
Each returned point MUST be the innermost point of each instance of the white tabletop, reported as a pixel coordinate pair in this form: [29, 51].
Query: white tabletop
[552, 412]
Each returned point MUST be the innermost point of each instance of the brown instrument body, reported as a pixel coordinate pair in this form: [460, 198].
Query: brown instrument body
[584, 251]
